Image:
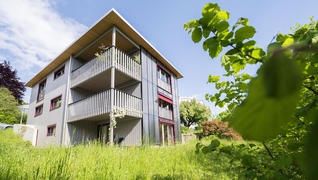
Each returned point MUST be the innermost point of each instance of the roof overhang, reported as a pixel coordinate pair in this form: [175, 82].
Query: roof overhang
[112, 18]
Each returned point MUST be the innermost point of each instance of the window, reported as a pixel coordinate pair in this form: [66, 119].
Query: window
[41, 91]
[165, 77]
[165, 105]
[51, 129]
[38, 110]
[59, 73]
[56, 102]
[164, 80]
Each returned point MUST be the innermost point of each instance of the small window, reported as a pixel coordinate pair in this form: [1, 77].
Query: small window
[38, 110]
[56, 102]
[51, 130]
[41, 91]
[59, 73]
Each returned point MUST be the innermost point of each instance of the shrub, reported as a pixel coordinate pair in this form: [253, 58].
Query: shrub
[220, 129]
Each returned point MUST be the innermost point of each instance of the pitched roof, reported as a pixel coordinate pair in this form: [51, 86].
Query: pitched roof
[112, 18]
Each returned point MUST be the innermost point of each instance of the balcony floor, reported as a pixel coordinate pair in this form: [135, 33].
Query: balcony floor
[102, 81]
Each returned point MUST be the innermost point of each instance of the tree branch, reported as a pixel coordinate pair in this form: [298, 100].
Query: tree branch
[271, 155]
[311, 89]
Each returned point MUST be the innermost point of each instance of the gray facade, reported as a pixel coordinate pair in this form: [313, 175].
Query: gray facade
[74, 106]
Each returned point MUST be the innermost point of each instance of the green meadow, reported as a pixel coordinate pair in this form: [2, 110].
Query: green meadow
[20, 160]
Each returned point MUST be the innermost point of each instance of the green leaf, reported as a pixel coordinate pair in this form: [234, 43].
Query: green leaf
[273, 47]
[311, 153]
[247, 160]
[222, 26]
[215, 143]
[213, 79]
[261, 117]
[191, 24]
[282, 76]
[257, 53]
[223, 15]
[214, 47]
[241, 21]
[245, 32]
[196, 35]
[282, 162]
[285, 40]
[206, 33]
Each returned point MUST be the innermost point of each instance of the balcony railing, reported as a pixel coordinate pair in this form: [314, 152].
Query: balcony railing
[164, 85]
[100, 103]
[165, 113]
[122, 62]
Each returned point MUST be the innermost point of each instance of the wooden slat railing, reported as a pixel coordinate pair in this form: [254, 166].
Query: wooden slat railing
[122, 62]
[127, 102]
[165, 113]
[100, 103]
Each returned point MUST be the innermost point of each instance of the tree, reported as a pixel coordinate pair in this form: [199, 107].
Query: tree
[9, 110]
[193, 112]
[278, 107]
[10, 80]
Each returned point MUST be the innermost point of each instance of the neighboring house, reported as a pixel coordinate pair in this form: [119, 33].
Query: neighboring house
[73, 95]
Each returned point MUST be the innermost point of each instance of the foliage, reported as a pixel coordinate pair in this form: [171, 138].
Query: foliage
[219, 129]
[277, 107]
[9, 110]
[10, 80]
[193, 112]
[20, 160]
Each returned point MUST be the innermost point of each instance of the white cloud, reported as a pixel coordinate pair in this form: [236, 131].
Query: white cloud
[33, 33]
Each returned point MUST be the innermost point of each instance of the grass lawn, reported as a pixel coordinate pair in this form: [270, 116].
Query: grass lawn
[20, 160]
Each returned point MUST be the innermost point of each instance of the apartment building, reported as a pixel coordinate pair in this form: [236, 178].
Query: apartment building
[73, 97]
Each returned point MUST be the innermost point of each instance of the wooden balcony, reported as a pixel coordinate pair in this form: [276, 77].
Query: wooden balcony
[164, 85]
[96, 66]
[165, 113]
[99, 105]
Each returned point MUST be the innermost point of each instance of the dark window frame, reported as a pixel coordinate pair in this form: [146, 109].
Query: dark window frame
[60, 72]
[41, 90]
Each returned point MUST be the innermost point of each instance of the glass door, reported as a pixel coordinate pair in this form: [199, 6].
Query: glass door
[166, 134]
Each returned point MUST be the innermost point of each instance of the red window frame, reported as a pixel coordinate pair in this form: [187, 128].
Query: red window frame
[51, 130]
[56, 103]
[36, 112]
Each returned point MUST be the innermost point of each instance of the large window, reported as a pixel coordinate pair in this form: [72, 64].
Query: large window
[165, 110]
[165, 77]
[38, 110]
[164, 80]
[56, 102]
[41, 91]
[51, 129]
[59, 72]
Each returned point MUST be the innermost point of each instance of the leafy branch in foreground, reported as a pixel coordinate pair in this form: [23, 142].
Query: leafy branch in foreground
[277, 107]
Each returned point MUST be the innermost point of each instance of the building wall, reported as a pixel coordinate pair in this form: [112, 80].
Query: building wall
[53, 89]
[176, 108]
[80, 132]
[130, 130]
[150, 122]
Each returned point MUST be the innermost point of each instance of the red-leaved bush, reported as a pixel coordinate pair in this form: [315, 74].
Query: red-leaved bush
[220, 129]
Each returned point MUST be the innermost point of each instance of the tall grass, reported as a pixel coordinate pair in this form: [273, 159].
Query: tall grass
[20, 160]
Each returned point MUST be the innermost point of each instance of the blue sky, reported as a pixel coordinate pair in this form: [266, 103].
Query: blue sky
[33, 32]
